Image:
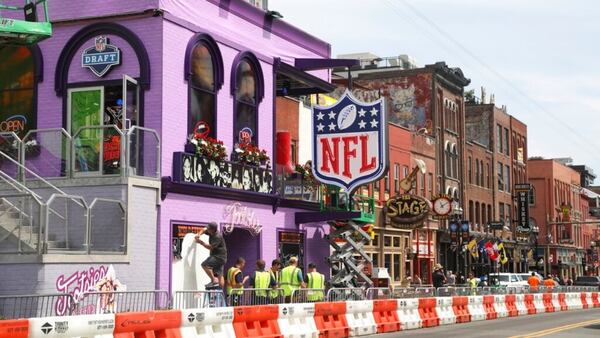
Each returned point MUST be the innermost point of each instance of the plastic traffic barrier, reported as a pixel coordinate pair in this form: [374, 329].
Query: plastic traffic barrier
[165, 324]
[584, 302]
[510, 301]
[500, 306]
[331, 320]
[538, 302]
[408, 314]
[476, 308]
[256, 321]
[576, 301]
[461, 310]
[488, 307]
[72, 326]
[547, 299]
[530, 304]
[15, 328]
[297, 320]
[207, 323]
[428, 313]
[520, 304]
[445, 311]
[385, 312]
[359, 315]
[556, 303]
[589, 299]
[595, 300]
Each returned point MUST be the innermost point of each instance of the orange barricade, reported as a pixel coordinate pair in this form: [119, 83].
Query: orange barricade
[386, 315]
[461, 309]
[584, 302]
[164, 324]
[595, 299]
[529, 304]
[511, 305]
[562, 300]
[15, 328]
[428, 313]
[331, 320]
[256, 321]
[547, 298]
[488, 306]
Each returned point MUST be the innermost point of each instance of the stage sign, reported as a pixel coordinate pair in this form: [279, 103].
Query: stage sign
[523, 190]
[407, 211]
[349, 142]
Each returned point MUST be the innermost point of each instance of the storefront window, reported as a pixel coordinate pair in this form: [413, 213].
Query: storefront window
[396, 268]
[17, 106]
[246, 106]
[202, 88]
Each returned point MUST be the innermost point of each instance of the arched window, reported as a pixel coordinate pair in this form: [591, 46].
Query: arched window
[247, 83]
[454, 156]
[18, 81]
[204, 73]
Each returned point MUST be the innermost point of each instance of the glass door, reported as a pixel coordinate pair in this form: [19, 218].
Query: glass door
[85, 107]
[131, 94]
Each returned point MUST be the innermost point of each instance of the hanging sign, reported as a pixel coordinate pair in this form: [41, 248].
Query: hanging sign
[349, 142]
[523, 191]
[101, 57]
[407, 211]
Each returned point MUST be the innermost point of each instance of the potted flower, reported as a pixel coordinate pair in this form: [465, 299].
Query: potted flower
[305, 171]
[250, 154]
[206, 147]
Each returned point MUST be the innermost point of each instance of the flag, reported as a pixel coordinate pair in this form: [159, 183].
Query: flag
[472, 246]
[481, 246]
[502, 252]
[491, 251]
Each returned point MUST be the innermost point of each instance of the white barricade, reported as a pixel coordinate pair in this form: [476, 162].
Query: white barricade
[500, 306]
[84, 326]
[538, 302]
[359, 315]
[297, 320]
[476, 308]
[556, 302]
[590, 302]
[520, 303]
[575, 301]
[207, 323]
[444, 310]
[408, 314]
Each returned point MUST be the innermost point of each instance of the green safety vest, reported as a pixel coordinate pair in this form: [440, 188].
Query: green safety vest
[231, 273]
[275, 275]
[262, 280]
[315, 281]
[473, 282]
[289, 280]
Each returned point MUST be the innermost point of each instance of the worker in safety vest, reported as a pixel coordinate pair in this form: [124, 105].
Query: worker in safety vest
[315, 280]
[291, 278]
[473, 283]
[533, 282]
[236, 280]
[549, 283]
[275, 272]
[262, 281]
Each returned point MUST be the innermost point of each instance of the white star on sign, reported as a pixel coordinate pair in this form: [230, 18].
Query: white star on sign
[361, 112]
[362, 124]
[374, 111]
[320, 127]
[331, 115]
[374, 123]
[331, 126]
[320, 115]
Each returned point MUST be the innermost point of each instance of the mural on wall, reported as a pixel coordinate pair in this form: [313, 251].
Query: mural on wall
[202, 170]
[101, 279]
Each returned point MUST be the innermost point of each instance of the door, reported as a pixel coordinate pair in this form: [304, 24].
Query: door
[131, 95]
[85, 107]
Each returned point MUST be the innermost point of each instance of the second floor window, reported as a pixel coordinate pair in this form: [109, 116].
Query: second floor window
[246, 105]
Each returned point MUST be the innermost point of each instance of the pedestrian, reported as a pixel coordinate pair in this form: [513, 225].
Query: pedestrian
[473, 283]
[549, 282]
[417, 280]
[438, 276]
[275, 272]
[236, 281]
[406, 281]
[569, 281]
[262, 280]
[315, 280]
[291, 278]
[213, 265]
[451, 278]
[533, 282]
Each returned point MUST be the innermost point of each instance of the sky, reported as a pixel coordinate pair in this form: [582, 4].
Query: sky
[538, 57]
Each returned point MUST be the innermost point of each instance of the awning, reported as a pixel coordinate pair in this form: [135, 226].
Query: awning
[293, 81]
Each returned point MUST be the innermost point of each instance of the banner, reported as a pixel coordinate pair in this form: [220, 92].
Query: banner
[523, 191]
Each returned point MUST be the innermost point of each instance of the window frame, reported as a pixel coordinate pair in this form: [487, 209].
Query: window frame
[259, 83]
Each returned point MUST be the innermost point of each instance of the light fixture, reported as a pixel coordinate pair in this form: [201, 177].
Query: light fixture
[274, 15]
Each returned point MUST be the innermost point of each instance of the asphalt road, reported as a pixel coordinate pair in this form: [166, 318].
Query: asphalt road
[571, 324]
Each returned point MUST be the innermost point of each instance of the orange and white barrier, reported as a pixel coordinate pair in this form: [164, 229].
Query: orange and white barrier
[520, 305]
[547, 300]
[408, 314]
[359, 315]
[500, 306]
[428, 312]
[165, 323]
[385, 312]
[256, 321]
[89, 326]
[476, 308]
[556, 302]
[538, 302]
[331, 320]
[596, 299]
[297, 320]
[445, 311]
[207, 323]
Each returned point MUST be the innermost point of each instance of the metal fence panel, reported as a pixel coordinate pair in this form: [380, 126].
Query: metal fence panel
[30, 306]
[122, 301]
[307, 296]
[403, 293]
[425, 292]
[198, 299]
[343, 294]
[239, 297]
[378, 293]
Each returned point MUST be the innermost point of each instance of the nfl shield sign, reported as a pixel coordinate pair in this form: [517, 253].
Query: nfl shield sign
[349, 142]
[101, 57]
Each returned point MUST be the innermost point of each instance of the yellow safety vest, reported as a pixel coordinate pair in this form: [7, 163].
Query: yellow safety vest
[231, 284]
[315, 281]
[262, 280]
[289, 280]
[275, 275]
[473, 282]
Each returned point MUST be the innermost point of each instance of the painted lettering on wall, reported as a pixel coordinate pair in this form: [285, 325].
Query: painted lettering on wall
[76, 285]
[240, 216]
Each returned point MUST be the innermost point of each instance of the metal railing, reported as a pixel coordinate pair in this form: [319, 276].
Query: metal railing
[239, 297]
[31, 306]
[122, 301]
[344, 294]
[190, 299]
[307, 295]
[378, 293]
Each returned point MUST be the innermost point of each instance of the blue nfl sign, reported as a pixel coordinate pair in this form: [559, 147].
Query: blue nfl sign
[349, 142]
[101, 57]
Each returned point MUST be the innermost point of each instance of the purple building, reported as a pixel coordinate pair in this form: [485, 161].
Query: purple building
[110, 101]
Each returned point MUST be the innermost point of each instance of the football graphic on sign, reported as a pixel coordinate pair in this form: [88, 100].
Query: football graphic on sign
[349, 142]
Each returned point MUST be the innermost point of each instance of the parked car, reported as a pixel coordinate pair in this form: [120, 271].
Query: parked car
[525, 276]
[588, 281]
[509, 279]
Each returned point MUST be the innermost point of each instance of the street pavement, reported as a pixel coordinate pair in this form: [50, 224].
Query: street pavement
[571, 324]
